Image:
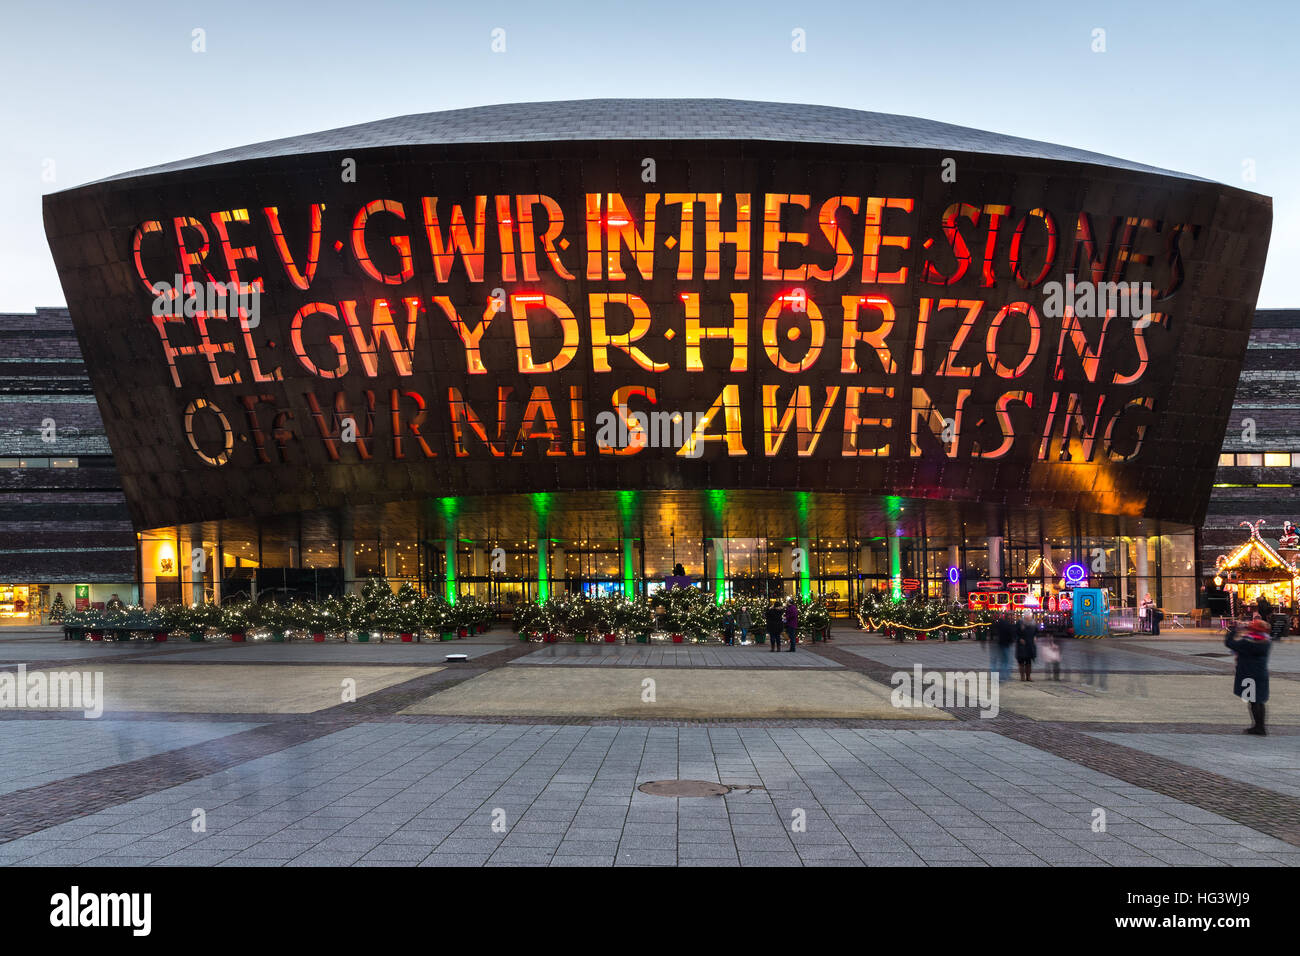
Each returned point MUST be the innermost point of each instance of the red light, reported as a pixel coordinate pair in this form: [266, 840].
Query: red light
[507, 222]
[686, 296]
[530, 298]
[618, 221]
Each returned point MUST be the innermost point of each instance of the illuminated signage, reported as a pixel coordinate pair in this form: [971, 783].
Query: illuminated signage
[1075, 574]
[550, 331]
[507, 317]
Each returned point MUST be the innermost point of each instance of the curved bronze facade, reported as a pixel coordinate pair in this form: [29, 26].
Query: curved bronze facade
[454, 318]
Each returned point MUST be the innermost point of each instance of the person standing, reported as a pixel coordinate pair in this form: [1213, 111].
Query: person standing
[1052, 655]
[1004, 634]
[1250, 681]
[792, 623]
[1147, 613]
[773, 621]
[1026, 645]
[729, 627]
[744, 622]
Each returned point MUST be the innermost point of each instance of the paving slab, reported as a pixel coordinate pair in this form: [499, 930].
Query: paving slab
[528, 691]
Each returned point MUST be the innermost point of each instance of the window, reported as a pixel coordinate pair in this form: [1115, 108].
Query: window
[34, 463]
[1227, 460]
[1250, 460]
[63, 463]
[8, 462]
[1295, 459]
[1277, 459]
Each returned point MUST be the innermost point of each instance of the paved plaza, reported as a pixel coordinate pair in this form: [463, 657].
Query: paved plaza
[387, 754]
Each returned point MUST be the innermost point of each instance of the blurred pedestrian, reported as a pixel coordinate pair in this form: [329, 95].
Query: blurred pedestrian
[744, 622]
[1052, 655]
[1004, 636]
[792, 623]
[1250, 681]
[1026, 645]
[774, 621]
[729, 627]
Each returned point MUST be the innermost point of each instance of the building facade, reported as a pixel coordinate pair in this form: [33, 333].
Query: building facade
[571, 345]
[64, 524]
[1259, 464]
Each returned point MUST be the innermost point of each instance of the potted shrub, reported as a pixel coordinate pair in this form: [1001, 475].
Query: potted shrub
[94, 623]
[636, 617]
[528, 620]
[814, 619]
[232, 619]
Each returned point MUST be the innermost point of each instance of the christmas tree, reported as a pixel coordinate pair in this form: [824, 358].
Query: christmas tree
[58, 609]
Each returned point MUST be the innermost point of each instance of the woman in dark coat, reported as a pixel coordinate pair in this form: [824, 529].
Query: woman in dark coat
[1250, 682]
[1026, 645]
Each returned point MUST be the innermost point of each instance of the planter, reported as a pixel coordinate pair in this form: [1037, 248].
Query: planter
[462, 633]
[278, 637]
[95, 635]
[611, 638]
[196, 637]
[760, 639]
[238, 638]
[318, 638]
[920, 636]
[407, 638]
[643, 638]
[549, 638]
[523, 637]
[74, 634]
[363, 638]
[679, 638]
[160, 637]
[580, 638]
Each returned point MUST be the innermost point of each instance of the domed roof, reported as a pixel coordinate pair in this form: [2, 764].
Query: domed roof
[656, 119]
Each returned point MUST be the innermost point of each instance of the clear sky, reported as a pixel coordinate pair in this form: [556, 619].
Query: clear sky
[101, 87]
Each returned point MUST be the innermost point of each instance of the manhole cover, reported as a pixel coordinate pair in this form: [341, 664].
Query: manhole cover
[684, 788]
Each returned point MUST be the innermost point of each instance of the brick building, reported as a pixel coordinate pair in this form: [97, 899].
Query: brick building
[1259, 469]
[64, 525]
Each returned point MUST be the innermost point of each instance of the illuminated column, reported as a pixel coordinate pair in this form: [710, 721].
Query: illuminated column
[559, 568]
[954, 587]
[719, 570]
[1123, 572]
[787, 566]
[390, 561]
[348, 562]
[629, 568]
[218, 570]
[895, 569]
[995, 558]
[449, 551]
[1140, 544]
[805, 571]
[543, 571]
[479, 569]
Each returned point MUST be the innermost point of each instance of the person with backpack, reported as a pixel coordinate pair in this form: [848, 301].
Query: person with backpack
[774, 621]
[1250, 679]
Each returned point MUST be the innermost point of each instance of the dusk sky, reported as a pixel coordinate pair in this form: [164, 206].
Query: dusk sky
[95, 89]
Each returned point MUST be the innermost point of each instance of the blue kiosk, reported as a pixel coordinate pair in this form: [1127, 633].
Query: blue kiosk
[1091, 612]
